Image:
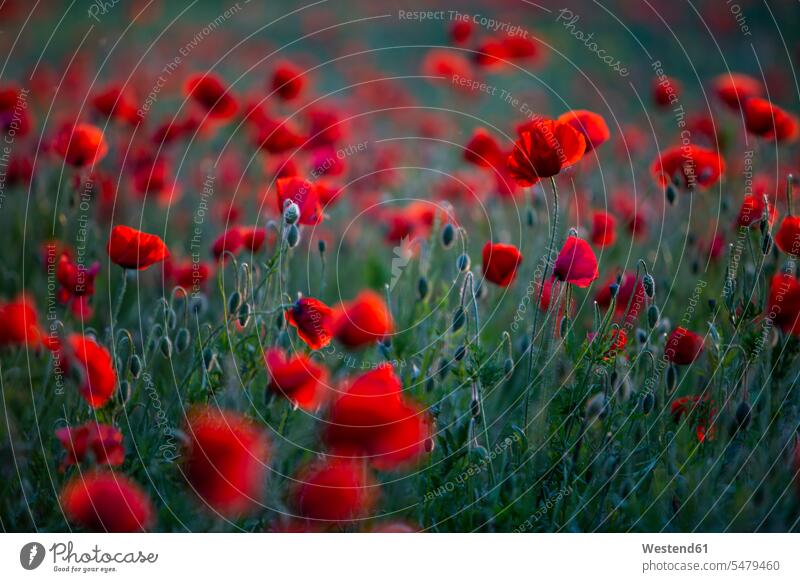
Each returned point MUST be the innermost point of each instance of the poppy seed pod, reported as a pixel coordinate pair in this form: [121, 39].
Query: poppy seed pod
[291, 214]
[448, 235]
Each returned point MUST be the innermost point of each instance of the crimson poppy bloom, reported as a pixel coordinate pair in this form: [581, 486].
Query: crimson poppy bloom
[783, 303]
[103, 441]
[576, 263]
[287, 81]
[326, 127]
[304, 194]
[666, 91]
[753, 209]
[362, 321]
[544, 148]
[312, 319]
[76, 280]
[735, 89]
[19, 323]
[114, 103]
[460, 31]
[604, 229]
[698, 408]
[490, 53]
[208, 90]
[688, 166]
[188, 274]
[482, 149]
[133, 249]
[625, 294]
[500, 263]
[787, 237]
[103, 501]
[80, 144]
[763, 119]
[683, 346]
[225, 460]
[297, 378]
[253, 237]
[100, 378]
[276, 136]
[373, 420]
[591, 125]
[334, 490]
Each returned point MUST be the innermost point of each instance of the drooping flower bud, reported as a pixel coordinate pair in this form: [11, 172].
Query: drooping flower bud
[448, 235]
[291, 213]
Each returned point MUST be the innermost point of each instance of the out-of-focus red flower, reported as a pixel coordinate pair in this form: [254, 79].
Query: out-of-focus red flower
[490, 53]
[297, 378]
[253, 237]
[591, 125]
[188, 274]
[80, 144]
[362, 321]
[103, 501]
[287, 81]
[133, 249]
[373, 420]
[630, 213]
[604, 229]
[448, 67]
[14, 111]
[103, 441]
[763, 119]
[752, 211]
[411, 222]
[225, 460]
[208, 90]
[666, 91]
[500, 263]
[787, 237]
[229, 241]
[304, 194]
[783, 303]
[75, 279]
[683, 346]
[114, 103]
[276, 136]
[313, 321]
[624, 293]
[460, 31]
[19, 323]
[518, 48]
[576, 263]
[701, 410]
[326, 127]
[735, 89]
[483, 149]
[99, 376]
[544, 148]
[334, 490]
[688, 166]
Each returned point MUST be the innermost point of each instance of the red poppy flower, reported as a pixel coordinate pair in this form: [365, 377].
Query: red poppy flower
[372, 419]
[460, 31]
[326, 127]
[114, 103]
[576, 263]
[591, 125]
[100, 379]
[604, 229]
[80, 144]
[103, 441]
[208, 90]
[666, 91]
[304, 194]
[448, 67]
[701, 410]
[14, 112]
[362, 321]
[683, 346]
[187, 274]
[500, 263]
[490, 53]
[287, 81]
[76, 280]
[783, 303]
[334, 490]
[106, 502]
[763, 119]
[133, 249]
[276, 136]
[297, 378]
[631, 213]
[518, 47]
[544, 148]
[253, 237]
[787, 238]
[19, 323]
[752, 210]
[225, 460]
[312, 319]
[688, 166]
[735, 89]
[483, 149]
[624, 293]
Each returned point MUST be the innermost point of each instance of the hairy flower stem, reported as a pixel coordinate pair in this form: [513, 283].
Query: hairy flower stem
[536, 307]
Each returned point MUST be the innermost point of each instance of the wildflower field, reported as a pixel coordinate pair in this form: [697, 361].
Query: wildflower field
[371, 266]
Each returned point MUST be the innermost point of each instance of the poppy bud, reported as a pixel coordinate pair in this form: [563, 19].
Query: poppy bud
[563, 326]
[508, 366]
[672, 194]
[743, 414]
[595, 406]
[460, 352]
[530, 217]
[244, 314]
[182, 340]
[641, 335]
[475, 408]
[171, 318]
[165, 346]
[292, 236]
[158, 331]
[209, 359]
[459, 319]
[672, 377]
[291, 213]
[234, 301]
[613, 288]
[649, 285]
[321, 245]
[766, 243]
[652, 316]
[648, 401]
[463, 262]
[135, 366]
[448, 235]
[124, 391]
[422, 288]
